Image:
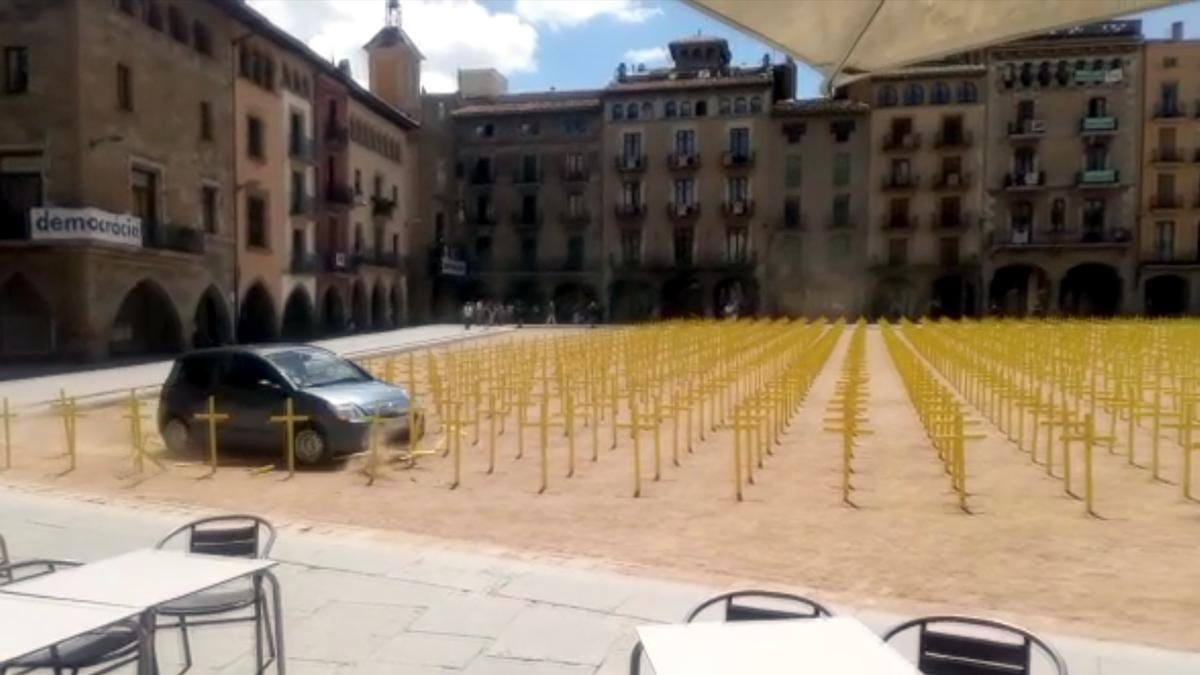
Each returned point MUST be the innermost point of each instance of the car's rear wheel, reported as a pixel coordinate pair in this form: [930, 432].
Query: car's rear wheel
[311, 448]
[177, 437]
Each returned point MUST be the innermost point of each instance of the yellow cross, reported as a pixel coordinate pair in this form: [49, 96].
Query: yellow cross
[213, 418]
[7, 417]
[289, 419]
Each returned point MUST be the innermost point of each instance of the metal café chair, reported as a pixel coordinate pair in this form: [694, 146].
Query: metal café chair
[941, 652]
[804, 608]
[239, 536]
[107, 649]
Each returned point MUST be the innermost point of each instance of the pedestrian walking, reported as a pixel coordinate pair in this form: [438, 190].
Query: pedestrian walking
[468, 313]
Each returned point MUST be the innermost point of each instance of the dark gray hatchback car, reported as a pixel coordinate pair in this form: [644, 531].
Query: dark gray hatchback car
[251, 384]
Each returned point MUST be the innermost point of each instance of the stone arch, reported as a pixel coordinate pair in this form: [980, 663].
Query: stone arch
[630, 300]
[951, 296]
[360, 311]
[397, 302]
[1166, 295]
[682, 297]
[211, 323]
[333, 311]
[298, 316]
[1091, 289]
[736, 294]
[257, 319]
[1019, 290]
[380, 312]
[529, 304]
[27, 325]
[146, 323]
[571, 299]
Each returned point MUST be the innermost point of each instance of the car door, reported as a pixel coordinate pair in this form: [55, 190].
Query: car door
[252, 392]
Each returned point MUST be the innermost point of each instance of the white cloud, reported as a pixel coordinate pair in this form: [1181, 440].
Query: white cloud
[452, 34]
[570, 13]
[649, 55]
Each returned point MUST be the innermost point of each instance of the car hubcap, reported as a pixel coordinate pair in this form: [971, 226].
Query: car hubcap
[309, 447]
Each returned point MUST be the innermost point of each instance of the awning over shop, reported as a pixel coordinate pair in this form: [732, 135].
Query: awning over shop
[846, 39]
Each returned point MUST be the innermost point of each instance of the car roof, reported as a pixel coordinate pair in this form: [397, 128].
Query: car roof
[257, 350]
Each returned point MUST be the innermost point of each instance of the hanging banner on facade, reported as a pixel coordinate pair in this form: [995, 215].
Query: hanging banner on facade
[86, 224]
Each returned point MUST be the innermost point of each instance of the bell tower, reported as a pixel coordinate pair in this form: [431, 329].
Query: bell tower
[395, 63]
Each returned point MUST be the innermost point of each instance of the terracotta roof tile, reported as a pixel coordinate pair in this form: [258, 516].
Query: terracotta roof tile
[539, 102]
[639, 84]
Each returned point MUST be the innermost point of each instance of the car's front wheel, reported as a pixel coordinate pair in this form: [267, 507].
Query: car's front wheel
[176, 437]
[311, 448]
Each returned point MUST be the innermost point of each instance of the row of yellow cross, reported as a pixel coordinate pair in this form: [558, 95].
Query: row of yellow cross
[939, 410]
[847, 410]
[639, 387]
[1070, 378]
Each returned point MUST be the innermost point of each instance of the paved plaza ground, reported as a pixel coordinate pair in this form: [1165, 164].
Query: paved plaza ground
[409, 576]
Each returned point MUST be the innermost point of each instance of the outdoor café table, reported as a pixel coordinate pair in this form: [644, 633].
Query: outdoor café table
[834, 646]
[148, 578]
[29, 624]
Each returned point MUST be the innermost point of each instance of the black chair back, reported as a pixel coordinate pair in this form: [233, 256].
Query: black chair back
[238, 536]
[740, 611]
[940, 652]
[949, 654]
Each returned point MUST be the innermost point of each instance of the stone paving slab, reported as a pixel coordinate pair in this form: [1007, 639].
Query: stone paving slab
[353, 604]
[558, 635]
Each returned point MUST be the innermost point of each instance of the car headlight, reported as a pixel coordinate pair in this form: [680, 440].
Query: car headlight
[349, 413]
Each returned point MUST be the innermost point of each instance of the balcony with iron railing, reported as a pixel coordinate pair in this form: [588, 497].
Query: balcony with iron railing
[342, 262]
[1166, 202]
[893, 140]
[683, 161]
[527, 176]
[1026, 129]
[482, 175]
[303, 263]
[382, 207]
[300, 148]
[575, 218]
[950, 219]
[379, 258]
[168, 237]
[301, 204]
[336, 134]
[898, 222]
[576, 174]
[629, 210]
[953, 139]
[952, 180]
[840, 222]
[339, 194]
[1024, 180]
[682, 211]
[737, 159]
[793, 220]
[1092, 125]
[1029, 235]
[1165, 155]
[1098, 178]
[1166, 110]
[900, 181]
[527, 220]
[737, 208]
[486, 218]
[628, 163]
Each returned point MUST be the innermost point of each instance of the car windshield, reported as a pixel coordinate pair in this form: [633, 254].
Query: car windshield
[316, 369]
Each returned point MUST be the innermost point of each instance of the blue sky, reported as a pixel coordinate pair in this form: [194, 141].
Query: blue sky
[539, 44]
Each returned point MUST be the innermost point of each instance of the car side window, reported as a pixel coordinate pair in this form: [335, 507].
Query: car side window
[245, 372]
[197, 372]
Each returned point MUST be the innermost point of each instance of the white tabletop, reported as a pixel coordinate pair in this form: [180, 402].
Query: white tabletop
[29, 624]
[140, 579]
[835, 646]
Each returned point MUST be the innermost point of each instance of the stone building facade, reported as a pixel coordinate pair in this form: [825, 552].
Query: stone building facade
[1169, 229]
[158, 176]
[118, 107]
[1064, 126]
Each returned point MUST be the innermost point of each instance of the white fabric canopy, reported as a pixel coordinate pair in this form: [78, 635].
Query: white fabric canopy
[845, 39]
